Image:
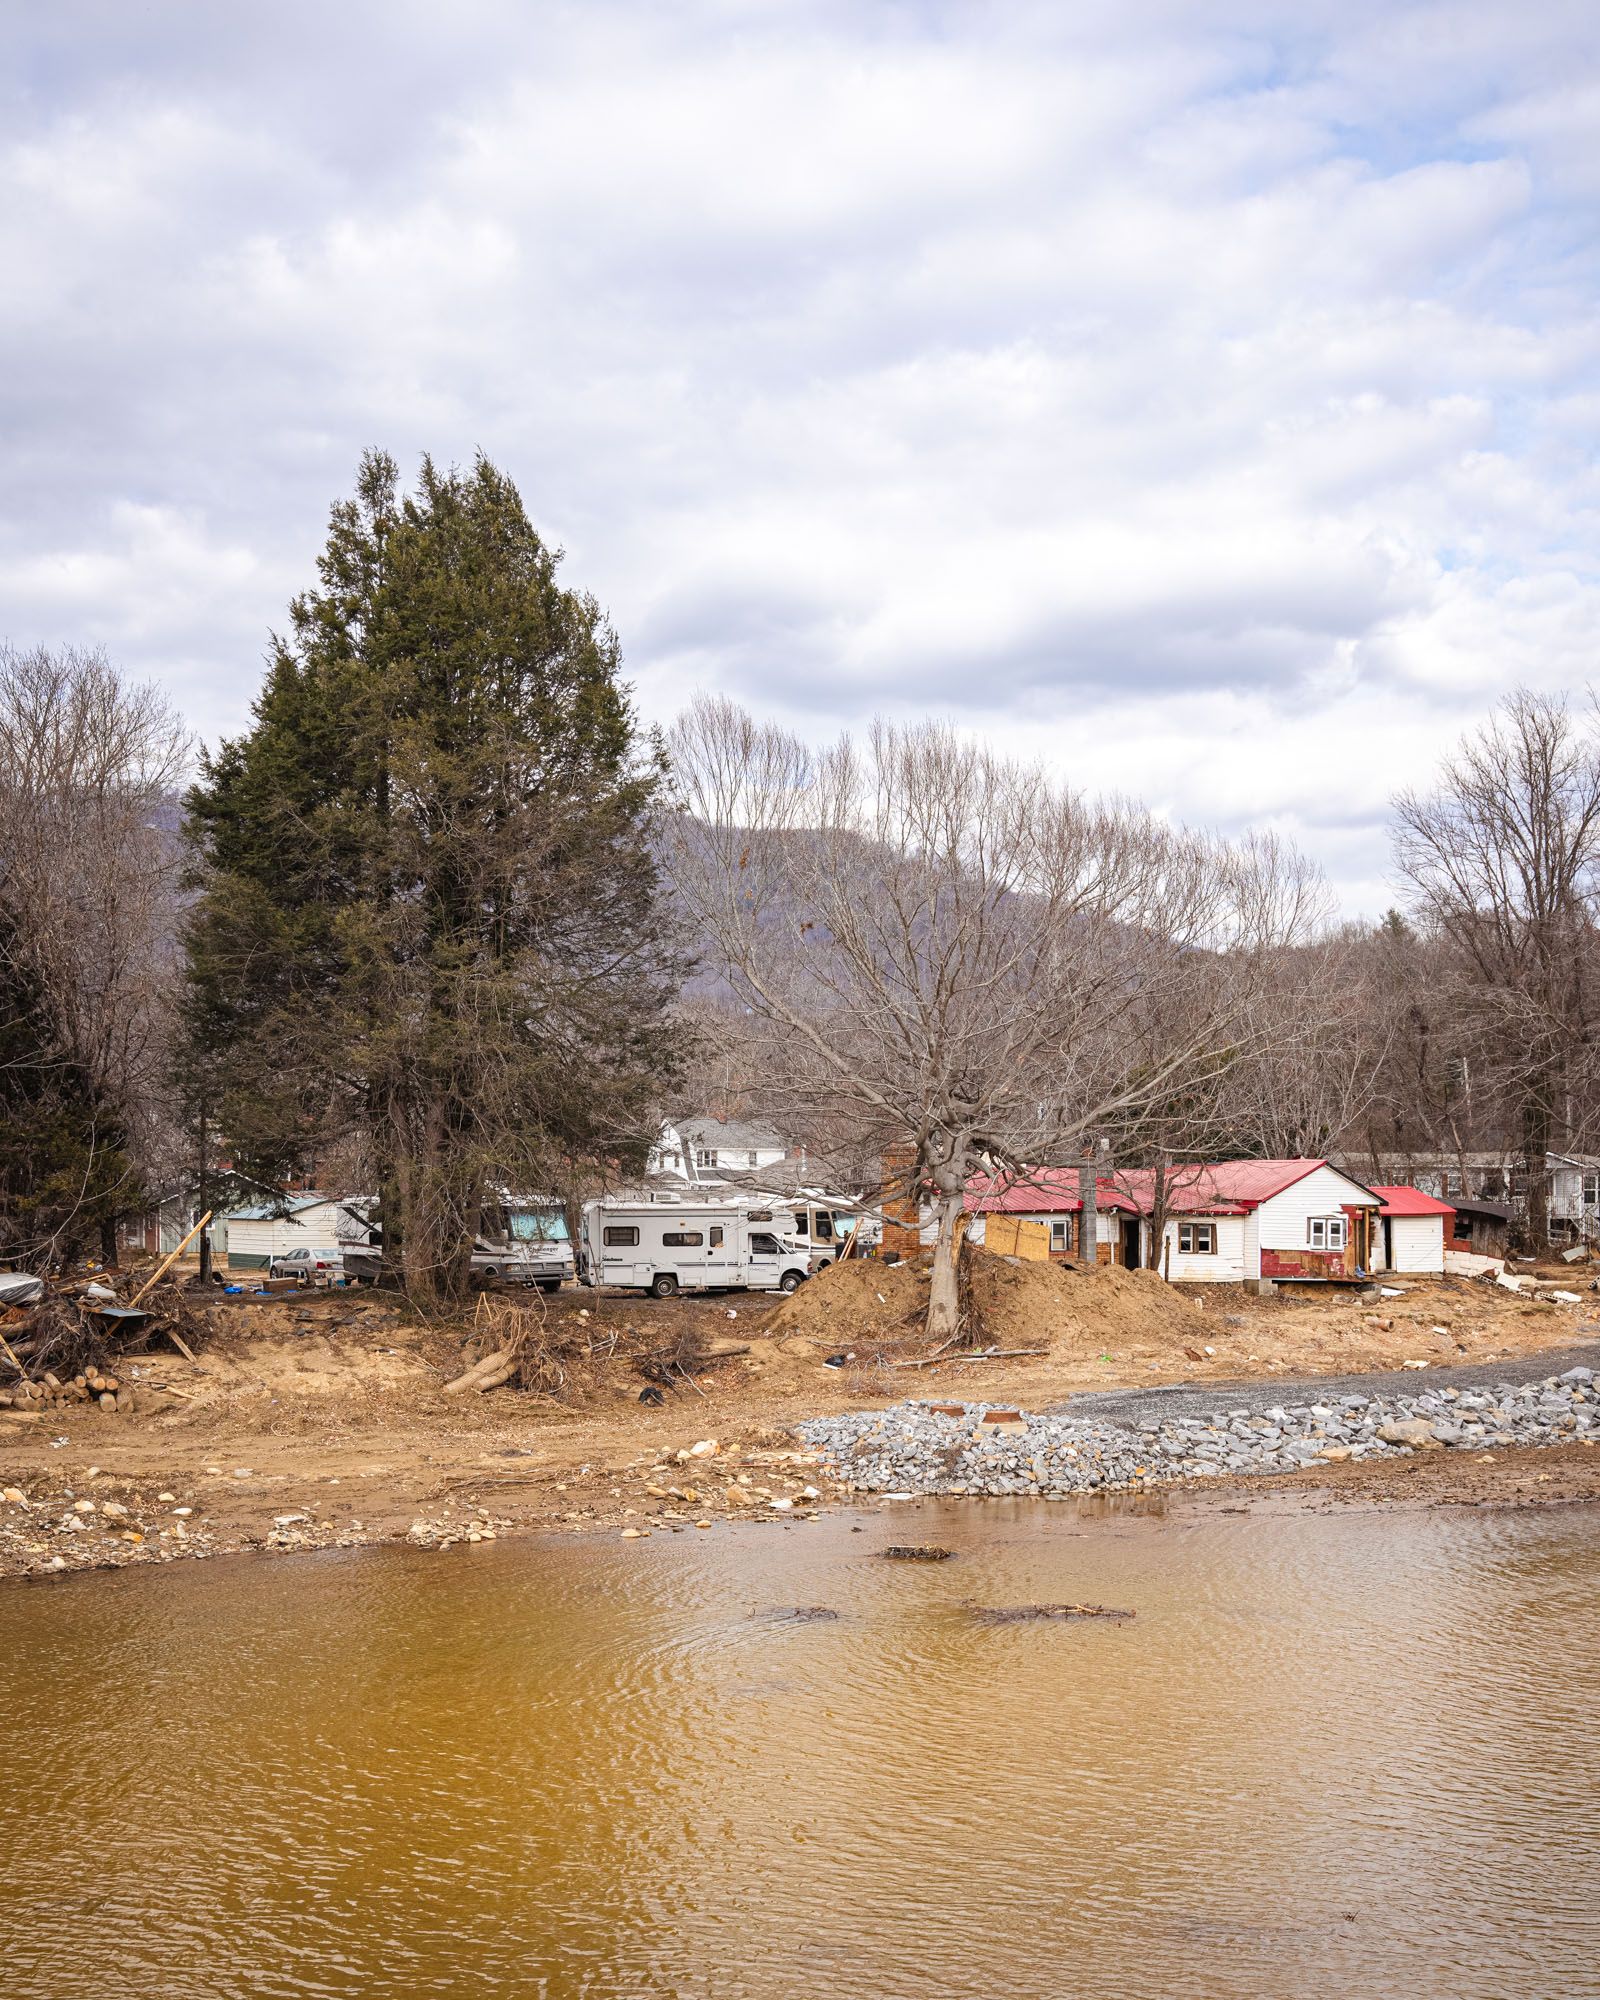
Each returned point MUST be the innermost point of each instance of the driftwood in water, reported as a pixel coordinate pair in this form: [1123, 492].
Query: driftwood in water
[1027, 1614]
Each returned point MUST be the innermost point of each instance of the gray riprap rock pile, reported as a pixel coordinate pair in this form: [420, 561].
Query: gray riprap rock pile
[917, 1448]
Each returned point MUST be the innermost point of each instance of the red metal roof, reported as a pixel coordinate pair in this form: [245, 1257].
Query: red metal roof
[1410, 1201]
[1219, 1187]
[1196, 1187]
[1037, 1191]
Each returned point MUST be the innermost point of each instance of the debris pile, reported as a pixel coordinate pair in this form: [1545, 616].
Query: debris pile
[68, 1341]
[918, 1448]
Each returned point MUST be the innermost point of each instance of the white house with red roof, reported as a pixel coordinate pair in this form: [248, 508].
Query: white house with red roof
[1415, 1230]
[1228, 1221]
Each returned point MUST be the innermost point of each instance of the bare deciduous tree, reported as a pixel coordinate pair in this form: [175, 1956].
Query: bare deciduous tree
[1503, 862]
[963, 960]
[88, 768]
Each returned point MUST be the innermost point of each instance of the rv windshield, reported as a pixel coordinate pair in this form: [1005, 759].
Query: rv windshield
[547, 1226]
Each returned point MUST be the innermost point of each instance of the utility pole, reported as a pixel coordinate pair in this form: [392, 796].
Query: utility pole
[1089, 1212]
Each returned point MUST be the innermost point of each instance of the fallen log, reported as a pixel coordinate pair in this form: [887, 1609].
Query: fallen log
[489, 1373]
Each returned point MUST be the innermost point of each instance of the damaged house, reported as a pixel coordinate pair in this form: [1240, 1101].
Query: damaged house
[1227, 1221]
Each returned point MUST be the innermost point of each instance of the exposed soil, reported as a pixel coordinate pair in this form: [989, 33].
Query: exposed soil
[319, 1420]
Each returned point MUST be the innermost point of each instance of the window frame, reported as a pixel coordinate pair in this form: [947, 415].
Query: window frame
[1194, 1231]
[619, 1236]
[683, 1239]
[1335, 1233]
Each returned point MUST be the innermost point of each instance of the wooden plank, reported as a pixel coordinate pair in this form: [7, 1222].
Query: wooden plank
[170, 1259]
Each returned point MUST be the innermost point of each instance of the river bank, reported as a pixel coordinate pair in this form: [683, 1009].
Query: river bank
[319, 1423]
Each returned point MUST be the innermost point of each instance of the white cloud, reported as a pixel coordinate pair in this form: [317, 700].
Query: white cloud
[1204, 394]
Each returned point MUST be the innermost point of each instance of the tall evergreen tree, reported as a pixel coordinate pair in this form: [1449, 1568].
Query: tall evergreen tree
[428, 919]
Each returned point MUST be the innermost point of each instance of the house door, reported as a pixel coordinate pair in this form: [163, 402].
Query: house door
[1130, 1243]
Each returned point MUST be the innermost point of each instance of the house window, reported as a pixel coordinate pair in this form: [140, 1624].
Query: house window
[706, 1156]
[1058, 1236]
[1197, 1239]
[750, 1159]
[682, 1239]
[1591, 1190]
[616, 1237]
[1326, 1232]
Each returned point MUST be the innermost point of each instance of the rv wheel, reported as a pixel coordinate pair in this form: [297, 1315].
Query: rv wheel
[663, 1285]
[789, 1282]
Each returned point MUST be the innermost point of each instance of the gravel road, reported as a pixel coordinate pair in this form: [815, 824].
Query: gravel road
[1135, 1408]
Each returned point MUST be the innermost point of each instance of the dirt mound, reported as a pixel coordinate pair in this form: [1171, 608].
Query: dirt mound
[1025, 1304]
[859, 1300]
[1015, 1303]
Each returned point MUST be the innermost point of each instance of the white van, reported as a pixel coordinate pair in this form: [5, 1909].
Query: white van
[667, 1247]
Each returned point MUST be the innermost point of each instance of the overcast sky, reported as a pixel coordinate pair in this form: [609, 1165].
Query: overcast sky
[1201, 395]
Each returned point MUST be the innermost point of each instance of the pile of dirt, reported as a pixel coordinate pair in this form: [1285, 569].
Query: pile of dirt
[1019, 1303]
[860, 1301]
[1014, 1303]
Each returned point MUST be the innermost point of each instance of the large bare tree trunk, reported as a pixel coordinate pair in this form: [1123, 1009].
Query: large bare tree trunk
[944, 1289]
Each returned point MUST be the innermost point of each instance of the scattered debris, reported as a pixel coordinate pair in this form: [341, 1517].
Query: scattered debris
[1028, 1614]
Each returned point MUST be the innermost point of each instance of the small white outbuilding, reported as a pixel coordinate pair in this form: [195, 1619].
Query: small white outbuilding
[1413, 1228]
[313, 1221]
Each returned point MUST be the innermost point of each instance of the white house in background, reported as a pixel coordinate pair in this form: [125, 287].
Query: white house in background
[706, 1150]
[264, 1230]
[1413, 1230]
[1572, 1185]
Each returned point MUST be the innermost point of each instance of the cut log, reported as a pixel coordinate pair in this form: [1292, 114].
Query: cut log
[499, 1365]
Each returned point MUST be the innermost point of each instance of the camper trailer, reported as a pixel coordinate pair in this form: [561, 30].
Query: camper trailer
[667, 1247]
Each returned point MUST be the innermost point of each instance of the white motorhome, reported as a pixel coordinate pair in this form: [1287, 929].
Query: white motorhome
[829, 1225]
[667, 1247]
[525, 1245]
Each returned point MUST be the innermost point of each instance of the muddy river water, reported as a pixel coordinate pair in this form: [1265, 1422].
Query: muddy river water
[1332, 1755]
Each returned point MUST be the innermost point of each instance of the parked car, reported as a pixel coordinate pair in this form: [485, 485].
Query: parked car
[309, 1264]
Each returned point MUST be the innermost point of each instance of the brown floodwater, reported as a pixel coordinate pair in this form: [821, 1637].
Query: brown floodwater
[1332, 1755]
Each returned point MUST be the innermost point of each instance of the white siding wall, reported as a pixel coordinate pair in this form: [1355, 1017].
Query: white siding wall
[1418, 1242]
[1252, 1245]
[1226, 1267]
[316, 1228]
[1324, 1191]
